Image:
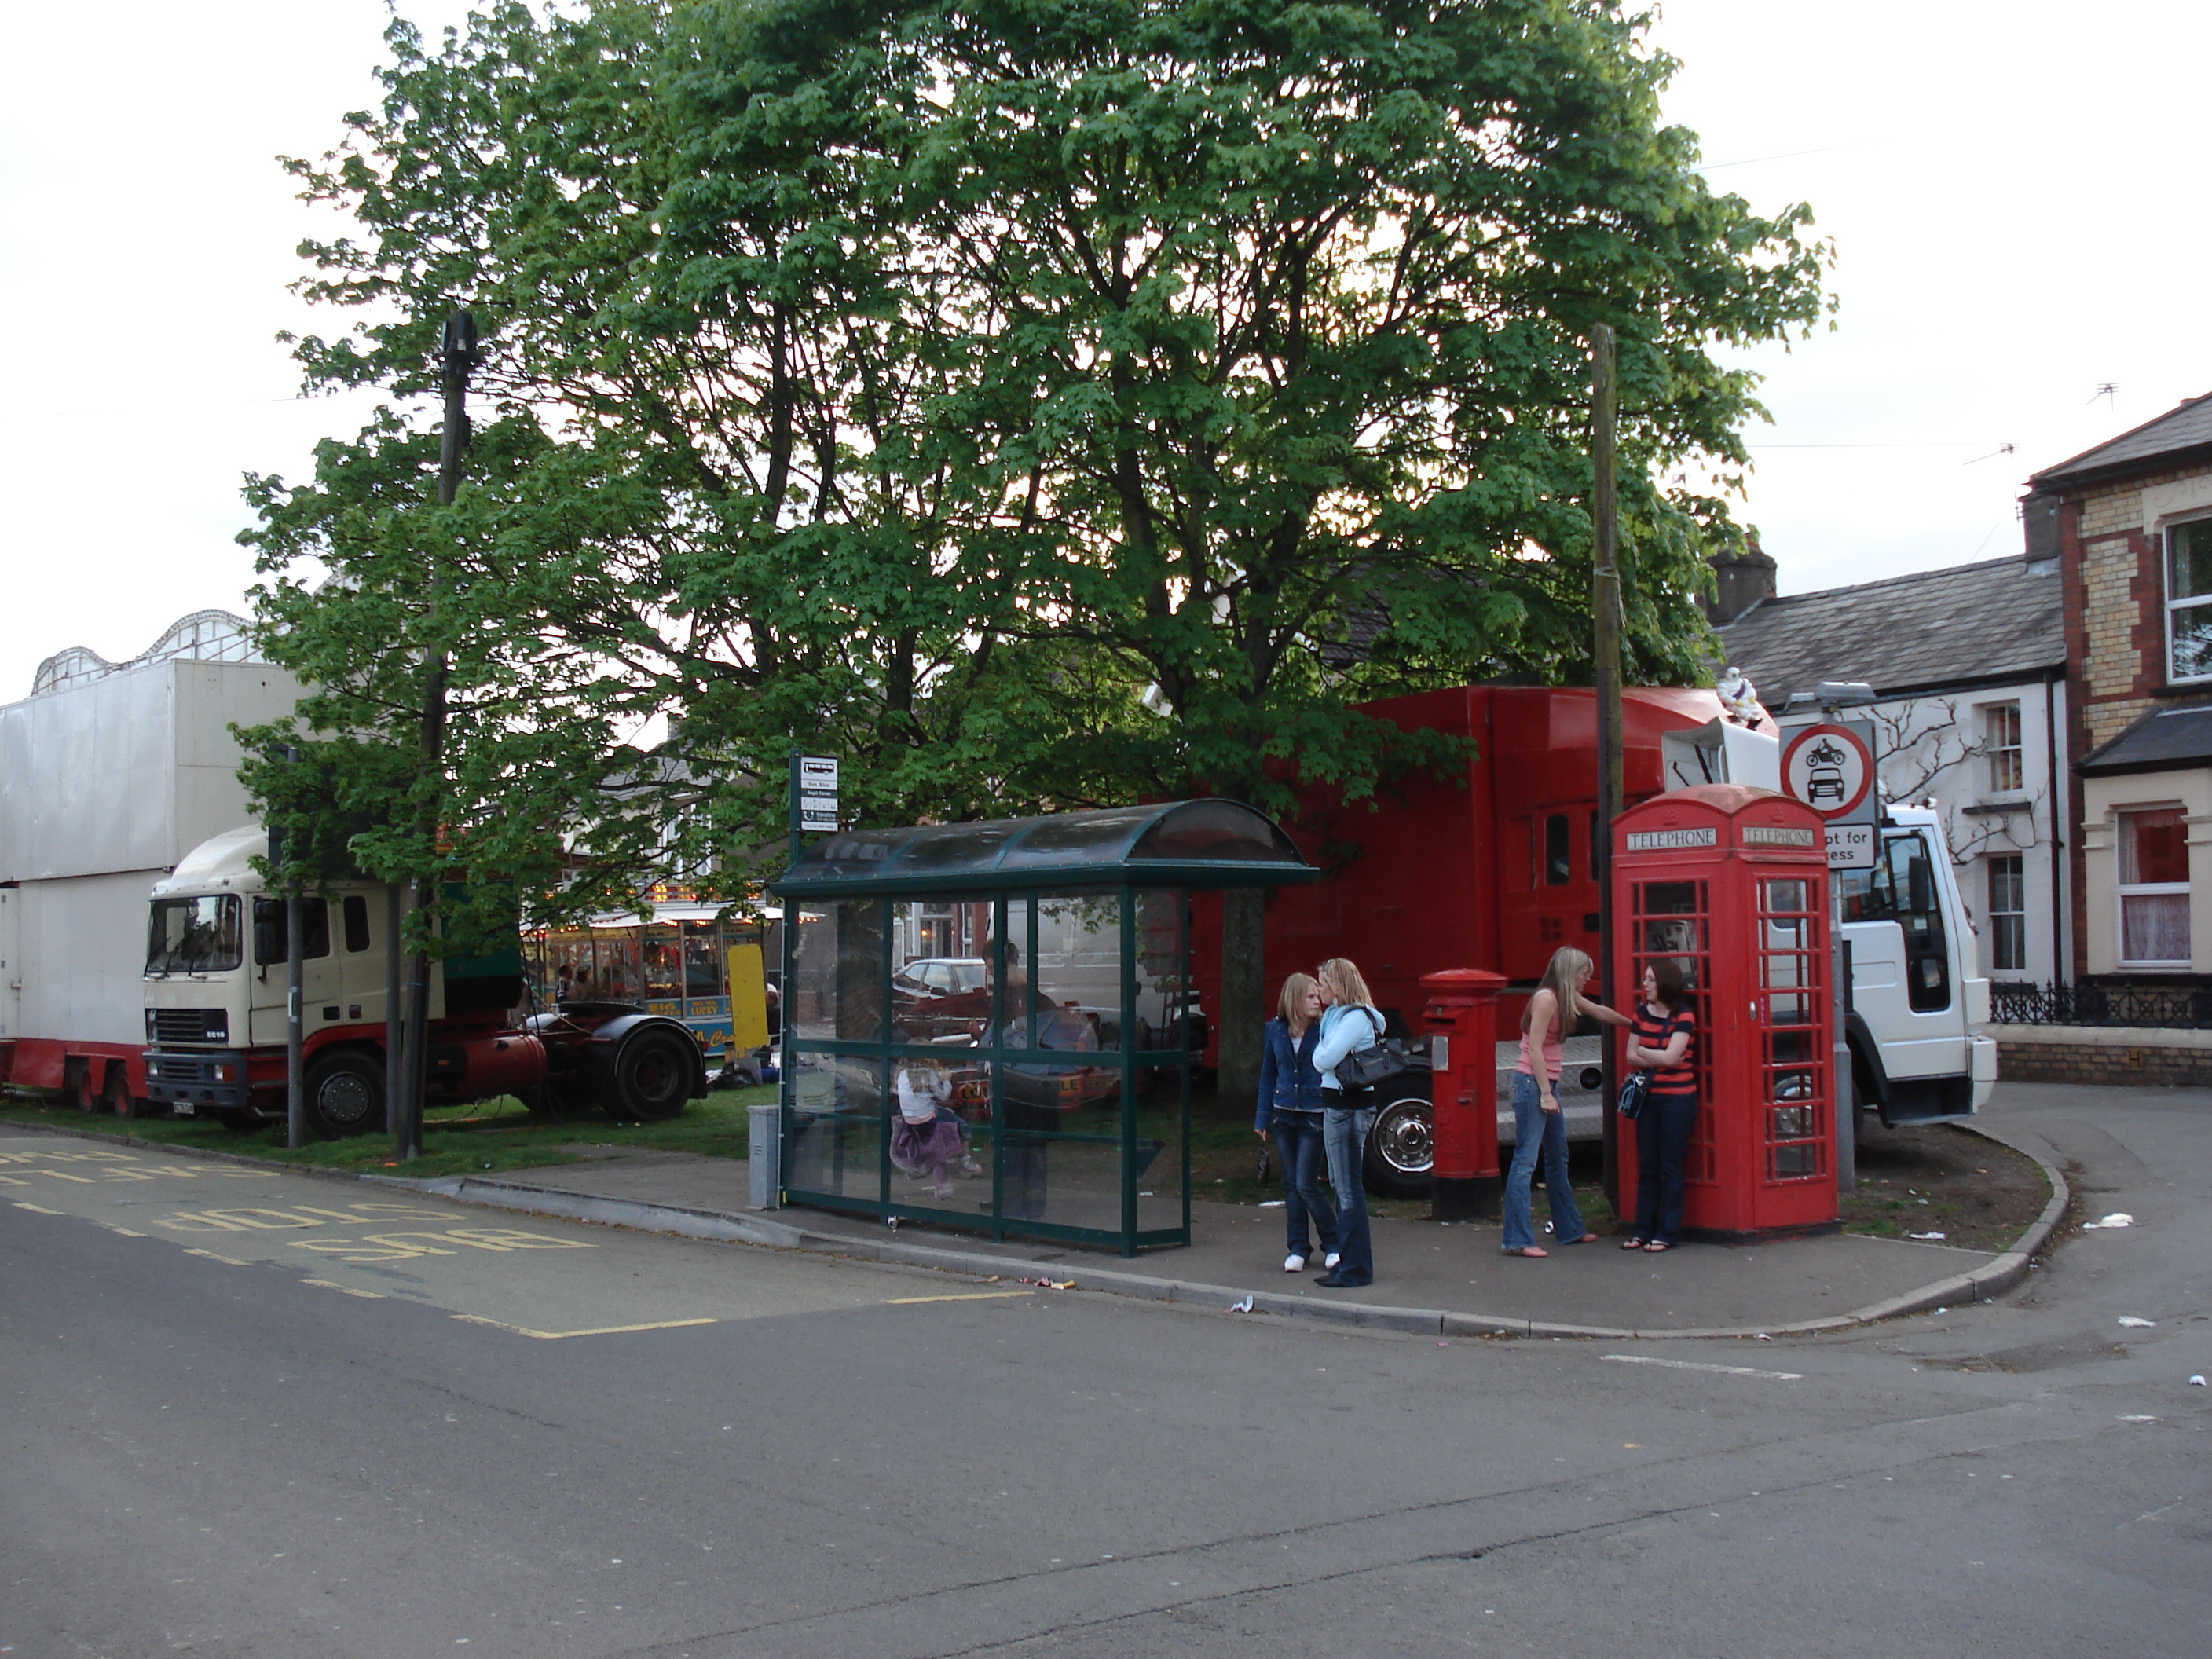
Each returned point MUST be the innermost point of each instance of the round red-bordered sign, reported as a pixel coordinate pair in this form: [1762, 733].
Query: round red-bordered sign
[1829, 767]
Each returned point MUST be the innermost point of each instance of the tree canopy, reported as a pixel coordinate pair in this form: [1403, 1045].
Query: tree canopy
[1037, 403]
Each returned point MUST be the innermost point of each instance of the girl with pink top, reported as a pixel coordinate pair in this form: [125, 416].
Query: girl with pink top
[1540, 1127]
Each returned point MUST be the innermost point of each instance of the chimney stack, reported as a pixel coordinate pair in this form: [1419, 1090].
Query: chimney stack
[1740, 581]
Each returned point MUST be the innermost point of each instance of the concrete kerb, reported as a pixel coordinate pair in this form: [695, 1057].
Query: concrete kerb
[1992, 1280]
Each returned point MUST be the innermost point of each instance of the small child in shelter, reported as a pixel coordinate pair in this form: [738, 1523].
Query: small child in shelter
[929, 1137]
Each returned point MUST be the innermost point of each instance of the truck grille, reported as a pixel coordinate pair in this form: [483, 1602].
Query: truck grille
[188, 1024]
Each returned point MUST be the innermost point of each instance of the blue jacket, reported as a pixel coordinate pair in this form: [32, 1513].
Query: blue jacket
[1345, 1029]
[1288, 1082]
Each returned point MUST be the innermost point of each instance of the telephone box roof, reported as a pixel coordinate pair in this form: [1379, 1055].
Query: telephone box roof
[1189, 843]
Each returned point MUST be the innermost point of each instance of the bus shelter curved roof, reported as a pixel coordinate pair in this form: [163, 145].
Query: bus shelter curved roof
[1189, 843]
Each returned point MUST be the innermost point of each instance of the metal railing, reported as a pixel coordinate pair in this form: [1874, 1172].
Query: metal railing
[2165, 1006]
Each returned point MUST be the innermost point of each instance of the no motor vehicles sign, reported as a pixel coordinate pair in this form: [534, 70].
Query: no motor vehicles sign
[1830, 767]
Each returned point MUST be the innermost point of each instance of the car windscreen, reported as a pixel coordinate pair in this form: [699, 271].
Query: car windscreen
[194, 935]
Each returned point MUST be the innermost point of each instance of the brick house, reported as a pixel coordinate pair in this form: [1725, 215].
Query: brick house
[2129, 523]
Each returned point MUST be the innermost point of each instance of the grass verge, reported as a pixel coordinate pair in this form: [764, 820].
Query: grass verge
[488, 1135]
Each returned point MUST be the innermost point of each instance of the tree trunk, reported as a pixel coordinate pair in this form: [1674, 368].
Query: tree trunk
[1243, 992]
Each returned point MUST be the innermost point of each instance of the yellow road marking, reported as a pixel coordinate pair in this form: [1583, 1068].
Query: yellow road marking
[57, 1175]
[39, 1208]
[329, 1284]
[126, 1231]
[227, 1261]
[603, 1330]
[971, 1296]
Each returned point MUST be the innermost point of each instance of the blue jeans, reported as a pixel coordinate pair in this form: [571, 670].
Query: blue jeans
[1662, 1142]
[1343, 1136]
[1298, 1137]
[1535, 1131]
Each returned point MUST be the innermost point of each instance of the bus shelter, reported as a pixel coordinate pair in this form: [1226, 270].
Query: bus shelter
[993, 1024]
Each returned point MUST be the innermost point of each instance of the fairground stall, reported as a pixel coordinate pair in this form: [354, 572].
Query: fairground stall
[992, 1024]
[682, 963]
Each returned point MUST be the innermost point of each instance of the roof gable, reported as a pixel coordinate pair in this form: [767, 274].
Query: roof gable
[2178, 430]
[2001, 619]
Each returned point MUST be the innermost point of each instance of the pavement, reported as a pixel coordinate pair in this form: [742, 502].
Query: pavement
[1450, 1279]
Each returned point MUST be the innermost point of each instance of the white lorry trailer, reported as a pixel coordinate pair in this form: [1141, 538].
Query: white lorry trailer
[109, 776]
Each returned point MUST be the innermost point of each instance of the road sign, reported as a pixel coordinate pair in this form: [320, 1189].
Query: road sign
[816, 807]
[1830, 767]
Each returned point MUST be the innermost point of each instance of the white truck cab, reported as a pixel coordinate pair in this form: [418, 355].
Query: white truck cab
[1916, 998]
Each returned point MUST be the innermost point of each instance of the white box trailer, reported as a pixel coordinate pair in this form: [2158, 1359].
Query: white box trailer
[108, 777]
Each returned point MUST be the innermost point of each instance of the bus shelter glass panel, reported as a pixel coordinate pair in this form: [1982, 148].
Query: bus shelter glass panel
[836, 1131]
[1793, 1071]
[981, 1049]
[1672, 920]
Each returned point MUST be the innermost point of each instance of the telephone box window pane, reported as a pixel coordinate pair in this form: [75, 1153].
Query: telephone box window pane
[1794, 1162]
[2154, 847]
[1559, 861]
[1790, 1123]
[1783, 897]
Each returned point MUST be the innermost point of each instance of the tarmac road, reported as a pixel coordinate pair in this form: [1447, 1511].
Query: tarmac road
[450, 1431]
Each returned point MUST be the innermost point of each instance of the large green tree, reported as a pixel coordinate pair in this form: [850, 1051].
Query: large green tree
[1037, 401]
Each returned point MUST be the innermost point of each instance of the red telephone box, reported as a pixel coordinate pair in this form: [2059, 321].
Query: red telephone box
[1732, 883]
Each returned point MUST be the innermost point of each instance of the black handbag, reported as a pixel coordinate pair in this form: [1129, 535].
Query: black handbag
[1633, 1093]
[1365, 1067]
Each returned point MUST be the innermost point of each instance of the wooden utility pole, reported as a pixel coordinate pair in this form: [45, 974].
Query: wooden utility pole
[1605, 656]
[457, 357]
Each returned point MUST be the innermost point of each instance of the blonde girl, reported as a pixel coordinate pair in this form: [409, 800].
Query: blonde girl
[1540, 1128]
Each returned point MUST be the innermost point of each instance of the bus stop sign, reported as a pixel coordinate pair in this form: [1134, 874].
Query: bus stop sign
[1829, 766]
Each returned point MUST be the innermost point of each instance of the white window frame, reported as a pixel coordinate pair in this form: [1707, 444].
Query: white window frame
[1993, 714]
[2018, 917]
[2123, 892]
[2195, 602]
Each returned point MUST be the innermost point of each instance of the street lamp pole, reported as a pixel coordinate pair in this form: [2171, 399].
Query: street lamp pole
[1605, 652]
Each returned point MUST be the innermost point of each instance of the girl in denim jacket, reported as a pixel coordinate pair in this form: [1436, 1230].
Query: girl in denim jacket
[1290, 1108]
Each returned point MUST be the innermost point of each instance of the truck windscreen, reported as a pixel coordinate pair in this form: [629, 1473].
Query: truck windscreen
[194, 935]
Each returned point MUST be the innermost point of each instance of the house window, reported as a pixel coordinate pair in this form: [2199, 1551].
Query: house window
[2001, 741]
[2153, 889]
[2189, 600]
[2007, 915]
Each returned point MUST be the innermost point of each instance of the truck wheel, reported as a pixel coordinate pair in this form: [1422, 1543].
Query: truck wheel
[77, 1087]
[1401, 1148]
[652, 1074]
[345, 1095]
[116, 1097]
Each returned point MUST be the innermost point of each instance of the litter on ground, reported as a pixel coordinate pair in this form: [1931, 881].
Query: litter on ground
[2117, 1218]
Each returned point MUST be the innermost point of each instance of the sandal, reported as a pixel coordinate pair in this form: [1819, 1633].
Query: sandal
[1587, 1238]
[1657, 1245]
[1528, 1250]
[1633, 1243]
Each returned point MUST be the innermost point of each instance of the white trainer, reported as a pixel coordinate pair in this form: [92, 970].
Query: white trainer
[1294, 1263]
[1331, 1259]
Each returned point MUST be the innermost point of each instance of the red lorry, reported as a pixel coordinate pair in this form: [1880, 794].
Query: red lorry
[1487, 867]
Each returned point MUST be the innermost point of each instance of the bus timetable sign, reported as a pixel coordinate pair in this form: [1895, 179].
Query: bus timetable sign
[818, 794]
[1829, 766]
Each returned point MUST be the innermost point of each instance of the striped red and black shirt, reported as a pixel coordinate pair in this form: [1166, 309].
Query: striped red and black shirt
[1655, 1031]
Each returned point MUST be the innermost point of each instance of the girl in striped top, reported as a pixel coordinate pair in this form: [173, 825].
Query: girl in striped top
[1660, 1043]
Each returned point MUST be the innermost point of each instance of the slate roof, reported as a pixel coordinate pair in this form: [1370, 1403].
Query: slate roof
[2160, 741]
[2188, 427]
[1999, 620]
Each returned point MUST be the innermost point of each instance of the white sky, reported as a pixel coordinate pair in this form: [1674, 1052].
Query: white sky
[2013, 190]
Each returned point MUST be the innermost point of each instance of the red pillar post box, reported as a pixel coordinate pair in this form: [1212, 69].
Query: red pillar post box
[1732, 883]
[1461, 1020]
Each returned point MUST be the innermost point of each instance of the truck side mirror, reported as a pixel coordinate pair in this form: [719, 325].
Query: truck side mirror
[1920, 883]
